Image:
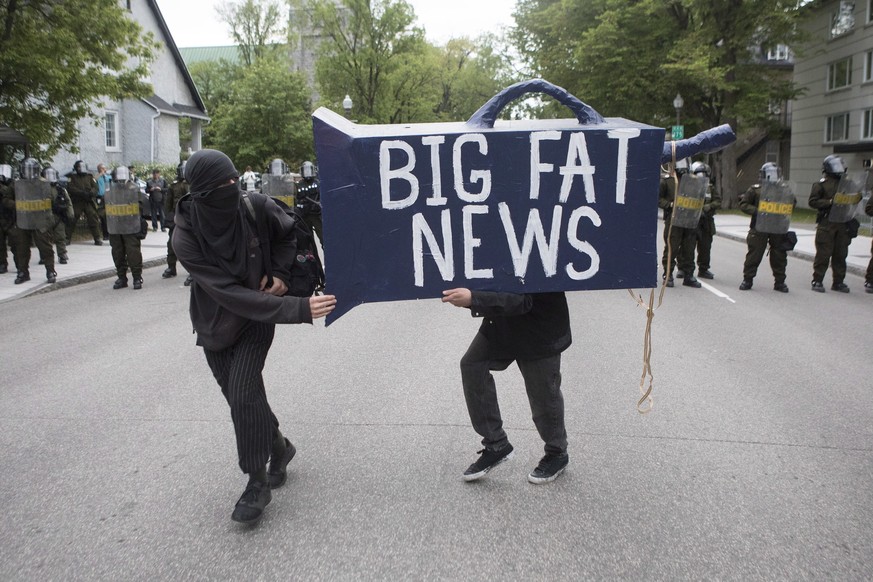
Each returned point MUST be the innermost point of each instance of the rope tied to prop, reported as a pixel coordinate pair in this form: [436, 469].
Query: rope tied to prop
[646, 401]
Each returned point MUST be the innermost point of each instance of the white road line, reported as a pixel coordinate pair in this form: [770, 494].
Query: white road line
[716, 292]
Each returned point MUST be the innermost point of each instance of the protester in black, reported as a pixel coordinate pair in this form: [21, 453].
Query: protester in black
[531, 330]
[234, 311]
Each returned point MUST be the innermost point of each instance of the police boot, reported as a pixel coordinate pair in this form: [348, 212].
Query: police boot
[705, 274]
[120, 283]
[841, 287]
[680, 274]
[41, 262]
[4, 269]
[22, 277]
[168, 272]
[780, 286]
[98, 242]
[746, 285]
[51, 276]
[188, 280]
[690, 281]
[137, 282]
[63, 259]
[668, 280]
[818, 287]
[868, 286]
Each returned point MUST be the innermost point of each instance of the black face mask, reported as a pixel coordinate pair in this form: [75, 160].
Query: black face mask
[217, 221]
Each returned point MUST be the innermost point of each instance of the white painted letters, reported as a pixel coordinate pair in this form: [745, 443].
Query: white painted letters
[622, 135]
[533, 230]
[444, 260]
[537, 167]
[471, 242]
[583, 246]
[434, 142]
[577, 149]
[405, 173]
[483, 176]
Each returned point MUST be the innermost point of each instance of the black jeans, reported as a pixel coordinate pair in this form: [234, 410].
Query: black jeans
[237, 370]
[157, 210]
[542, 379]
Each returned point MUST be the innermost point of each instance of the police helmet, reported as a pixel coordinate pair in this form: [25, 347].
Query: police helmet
[770, 172]
[29, 169]
[121, 174]
[278, 167]
[833, 165]
[80, 167]
[700, 168]
[50, 174]
[5, 172]
[180, 170]
[307, 170]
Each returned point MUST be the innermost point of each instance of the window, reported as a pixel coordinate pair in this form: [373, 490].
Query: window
[868, 65]
[772, 154]
[779, 52]
[867, 124]
[110, 125]
[843, 20]
[840, 74]
[837, 127]
[869, 11]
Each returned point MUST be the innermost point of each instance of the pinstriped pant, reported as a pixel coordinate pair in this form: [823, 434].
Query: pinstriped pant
[237, 370]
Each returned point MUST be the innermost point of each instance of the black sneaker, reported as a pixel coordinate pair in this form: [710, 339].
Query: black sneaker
[120, 283]
[705, 274]
[168, 272]
[549, 468]
[690, 281]
[278, 471]
[746, 285]
[841, 287]
[486, 462]
[250, 506]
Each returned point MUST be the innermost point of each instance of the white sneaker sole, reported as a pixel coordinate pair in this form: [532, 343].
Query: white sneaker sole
[480, 474]
[541, 480]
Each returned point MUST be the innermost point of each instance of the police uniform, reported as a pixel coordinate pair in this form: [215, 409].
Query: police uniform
[868, 280]
[44, 242]
[174, 193]
[7, 226]
[83, 192]
[126, 248]
[681, 241]
[309, 199]
[831, 239]
[62, 217]
[757, 243]
[706, 231]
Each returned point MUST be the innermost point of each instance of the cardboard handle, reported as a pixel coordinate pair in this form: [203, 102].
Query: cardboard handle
[487, 114]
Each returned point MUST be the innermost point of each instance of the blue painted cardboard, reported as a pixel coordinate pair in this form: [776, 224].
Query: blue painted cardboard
[520, 206]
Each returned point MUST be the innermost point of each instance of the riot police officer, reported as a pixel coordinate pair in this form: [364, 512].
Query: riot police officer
[831, 238]
[62, 211]
[706, 227]
[83, 191]
[7, 217]
[681, 240]
[124, 220]
[771, 228]
[868, 280]
[34, 221]
[177, 189]
[309, 198]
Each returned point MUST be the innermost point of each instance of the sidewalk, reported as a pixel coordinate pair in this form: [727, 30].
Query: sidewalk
[736, 227]
[88, 262]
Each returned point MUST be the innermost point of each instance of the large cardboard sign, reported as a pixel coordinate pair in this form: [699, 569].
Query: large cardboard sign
[515, 206]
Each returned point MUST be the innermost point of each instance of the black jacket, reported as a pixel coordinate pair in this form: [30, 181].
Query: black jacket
[222, 306]
[523, 327]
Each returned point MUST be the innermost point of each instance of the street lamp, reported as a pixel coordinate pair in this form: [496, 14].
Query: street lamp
[678, 102]
[347, 105]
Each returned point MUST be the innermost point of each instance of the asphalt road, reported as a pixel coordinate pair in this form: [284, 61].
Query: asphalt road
[757, 462]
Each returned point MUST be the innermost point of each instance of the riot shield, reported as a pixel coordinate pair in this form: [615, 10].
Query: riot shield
[846, 200]
[122, 208]
[689, 201]
[33, 204]
[280, 187]
[774, 208]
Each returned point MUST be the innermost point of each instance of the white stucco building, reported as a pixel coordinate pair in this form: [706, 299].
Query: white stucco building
[835, 114]
[143, 130]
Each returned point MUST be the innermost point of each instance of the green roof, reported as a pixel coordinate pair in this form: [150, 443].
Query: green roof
[197, 54]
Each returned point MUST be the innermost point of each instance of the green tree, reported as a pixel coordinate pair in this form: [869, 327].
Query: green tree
[630, 58]
[266, 115]
[214, 81]
[258, 27]
[57, 59]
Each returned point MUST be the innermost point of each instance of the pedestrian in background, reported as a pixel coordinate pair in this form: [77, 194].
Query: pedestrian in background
[249, 179]
[103, 181]
[234, 309]
[156, 188]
